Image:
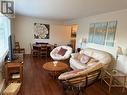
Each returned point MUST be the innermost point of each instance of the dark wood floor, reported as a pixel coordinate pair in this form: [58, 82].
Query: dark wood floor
[37, 81]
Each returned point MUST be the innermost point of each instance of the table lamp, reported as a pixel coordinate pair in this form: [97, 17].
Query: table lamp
[124, 51]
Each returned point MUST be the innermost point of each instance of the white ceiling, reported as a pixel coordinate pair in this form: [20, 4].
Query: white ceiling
[67, 9]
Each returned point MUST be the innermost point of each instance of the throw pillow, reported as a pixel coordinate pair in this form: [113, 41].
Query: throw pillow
[62, 51]
[84, 59]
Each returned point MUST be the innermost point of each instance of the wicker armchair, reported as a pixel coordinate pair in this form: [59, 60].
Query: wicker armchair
[79, 83]
[55, 56]
[78, 80]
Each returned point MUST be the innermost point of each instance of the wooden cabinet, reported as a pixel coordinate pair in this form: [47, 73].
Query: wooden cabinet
[73, 43]
[74, 28]
[14, 72]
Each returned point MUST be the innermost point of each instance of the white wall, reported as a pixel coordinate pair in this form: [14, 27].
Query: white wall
[121, 32]
[24, 31]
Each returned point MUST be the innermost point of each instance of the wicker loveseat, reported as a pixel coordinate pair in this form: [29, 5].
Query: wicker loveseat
[103, 57]
[83, 75]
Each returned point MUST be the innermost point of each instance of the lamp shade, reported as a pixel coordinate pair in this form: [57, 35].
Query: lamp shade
[124, 51]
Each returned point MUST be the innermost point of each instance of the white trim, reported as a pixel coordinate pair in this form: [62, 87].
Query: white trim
[2, 86]
[2, 57]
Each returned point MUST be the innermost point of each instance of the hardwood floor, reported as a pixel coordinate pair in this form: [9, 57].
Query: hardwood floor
[37, 81]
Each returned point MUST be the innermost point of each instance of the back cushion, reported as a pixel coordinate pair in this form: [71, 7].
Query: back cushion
[103, 57]
[87, 51]
[84, 59]
[99, 55]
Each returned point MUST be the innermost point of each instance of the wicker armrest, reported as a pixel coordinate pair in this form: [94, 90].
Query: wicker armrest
[83, 79]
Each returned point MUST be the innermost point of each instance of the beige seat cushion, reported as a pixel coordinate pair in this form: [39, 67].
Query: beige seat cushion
[12, 89]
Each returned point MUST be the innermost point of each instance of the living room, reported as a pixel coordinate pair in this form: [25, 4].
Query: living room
[59, 17]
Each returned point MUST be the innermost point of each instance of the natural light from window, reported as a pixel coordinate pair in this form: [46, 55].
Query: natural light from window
[4, 34]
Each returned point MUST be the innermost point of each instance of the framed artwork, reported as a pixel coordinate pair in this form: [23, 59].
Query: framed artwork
[91, 33]
[111, 31]
[102, 33]
[41, 31]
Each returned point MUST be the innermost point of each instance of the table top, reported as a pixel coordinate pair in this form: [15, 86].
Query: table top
[115, 72]
[13, 65]
[39, 45]
[60, 66]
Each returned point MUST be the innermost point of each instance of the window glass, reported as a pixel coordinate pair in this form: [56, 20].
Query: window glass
[4, 34]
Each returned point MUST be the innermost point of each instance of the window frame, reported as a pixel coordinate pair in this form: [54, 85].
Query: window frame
[7, 32]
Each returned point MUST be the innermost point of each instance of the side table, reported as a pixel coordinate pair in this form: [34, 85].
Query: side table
[14, 72]
[111, 79]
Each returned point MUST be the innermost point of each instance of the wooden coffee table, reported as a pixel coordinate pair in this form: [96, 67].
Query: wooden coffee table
[55, 69]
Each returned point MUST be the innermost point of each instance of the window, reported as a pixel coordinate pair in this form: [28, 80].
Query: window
[4, 34]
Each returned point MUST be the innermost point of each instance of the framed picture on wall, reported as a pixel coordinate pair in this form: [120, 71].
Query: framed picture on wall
[91, 33]
[41, 31]
[111, 31]
[100, 33]
[103, 33]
